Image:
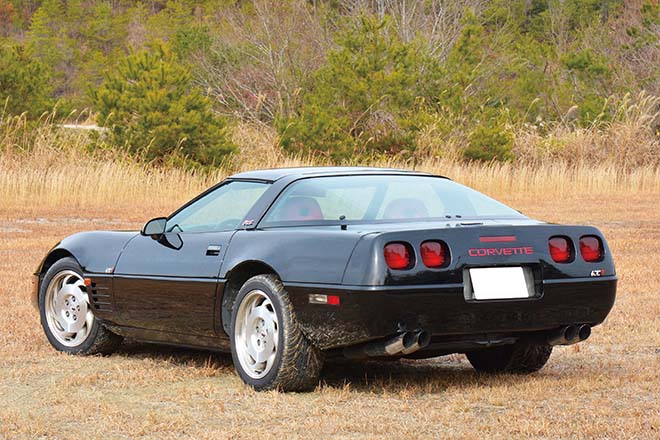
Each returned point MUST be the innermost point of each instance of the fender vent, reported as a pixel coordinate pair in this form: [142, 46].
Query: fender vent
[101, 295]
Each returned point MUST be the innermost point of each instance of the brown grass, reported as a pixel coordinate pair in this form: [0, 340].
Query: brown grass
[80, 183]
[608, 387]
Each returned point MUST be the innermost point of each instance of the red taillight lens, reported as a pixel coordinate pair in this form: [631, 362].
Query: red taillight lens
[333, 300]
[561, 249]
[434, 253]
[591, 248]
[397, 256]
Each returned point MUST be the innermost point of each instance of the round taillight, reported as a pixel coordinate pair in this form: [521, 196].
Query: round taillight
[591, 248]
[561, 249]
[397, 256]
[434, 254]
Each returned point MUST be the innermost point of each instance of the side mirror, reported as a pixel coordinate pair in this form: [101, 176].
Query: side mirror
[154, 227]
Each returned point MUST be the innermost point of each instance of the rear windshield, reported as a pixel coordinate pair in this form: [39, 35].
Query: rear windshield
[361, 199]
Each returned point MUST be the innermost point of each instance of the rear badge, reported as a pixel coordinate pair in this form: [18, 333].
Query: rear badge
[486, 252]
[598, 272]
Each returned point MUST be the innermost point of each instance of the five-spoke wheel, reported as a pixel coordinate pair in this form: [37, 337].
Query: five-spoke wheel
[268, 346]
[67, 308]
[66, 315]
[257, 334]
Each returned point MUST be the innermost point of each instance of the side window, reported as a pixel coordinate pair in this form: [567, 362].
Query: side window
[220, 210]
[322, 199]
[352, 203]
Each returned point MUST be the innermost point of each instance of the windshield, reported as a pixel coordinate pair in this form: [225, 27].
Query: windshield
[222, 209]
[381, 199]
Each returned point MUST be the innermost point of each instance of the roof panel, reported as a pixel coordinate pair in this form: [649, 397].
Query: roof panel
[278, 173]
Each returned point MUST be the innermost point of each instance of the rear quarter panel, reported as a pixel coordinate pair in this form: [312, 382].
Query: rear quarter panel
[296, 254]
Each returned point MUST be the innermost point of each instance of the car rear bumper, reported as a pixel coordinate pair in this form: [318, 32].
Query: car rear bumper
[370, 313]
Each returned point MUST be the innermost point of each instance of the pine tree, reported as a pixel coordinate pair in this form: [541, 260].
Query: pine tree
[362, 100]
[24, 82]
[152, 109]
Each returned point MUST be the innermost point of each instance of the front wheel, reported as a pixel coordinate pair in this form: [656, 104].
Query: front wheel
[522, 357]
[268, 347]
[66, 316]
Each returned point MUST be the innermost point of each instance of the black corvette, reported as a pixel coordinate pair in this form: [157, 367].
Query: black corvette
[286, 267]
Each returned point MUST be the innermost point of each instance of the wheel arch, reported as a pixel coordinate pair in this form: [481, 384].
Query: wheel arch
[53, 257]
[236, 277]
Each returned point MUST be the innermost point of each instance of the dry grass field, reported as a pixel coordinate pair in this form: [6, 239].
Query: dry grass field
[607, 387]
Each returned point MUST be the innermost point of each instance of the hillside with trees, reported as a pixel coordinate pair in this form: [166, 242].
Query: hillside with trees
[342, 79]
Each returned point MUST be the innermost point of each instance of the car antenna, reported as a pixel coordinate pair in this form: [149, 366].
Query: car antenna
[342, 225]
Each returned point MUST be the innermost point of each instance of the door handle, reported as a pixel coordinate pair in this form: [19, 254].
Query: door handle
[213, 250]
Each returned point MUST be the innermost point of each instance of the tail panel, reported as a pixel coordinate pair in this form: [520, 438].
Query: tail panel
[474, 246]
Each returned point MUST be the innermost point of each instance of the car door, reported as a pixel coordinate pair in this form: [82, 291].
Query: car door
[168, 282]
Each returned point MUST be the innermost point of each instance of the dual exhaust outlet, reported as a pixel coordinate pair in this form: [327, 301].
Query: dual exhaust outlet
[409, 342]
[400, 345]
[570, 334]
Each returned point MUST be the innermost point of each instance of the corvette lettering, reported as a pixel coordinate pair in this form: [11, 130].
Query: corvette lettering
[485, 252]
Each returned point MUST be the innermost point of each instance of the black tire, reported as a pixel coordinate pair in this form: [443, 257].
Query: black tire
[297, 362]
[98, 340]
[523, 357]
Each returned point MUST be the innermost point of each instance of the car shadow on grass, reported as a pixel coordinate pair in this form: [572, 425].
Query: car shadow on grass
[428, 376]
[182, 356]
[383, 376]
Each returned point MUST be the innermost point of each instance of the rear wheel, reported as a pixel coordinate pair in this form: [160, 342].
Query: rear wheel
[268, 347]
[66, 316]
[522, 357]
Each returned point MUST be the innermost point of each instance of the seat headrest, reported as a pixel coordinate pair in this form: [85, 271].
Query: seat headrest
[298, 208]
[405, 208]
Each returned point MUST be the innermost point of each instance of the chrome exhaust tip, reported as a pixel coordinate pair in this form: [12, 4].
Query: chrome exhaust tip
[584, 332]
[564, 336]
[422, 339]
[389, 347]
[571, 334]
[399, 343]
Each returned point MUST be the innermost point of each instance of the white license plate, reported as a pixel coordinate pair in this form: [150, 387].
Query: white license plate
[499, 283]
